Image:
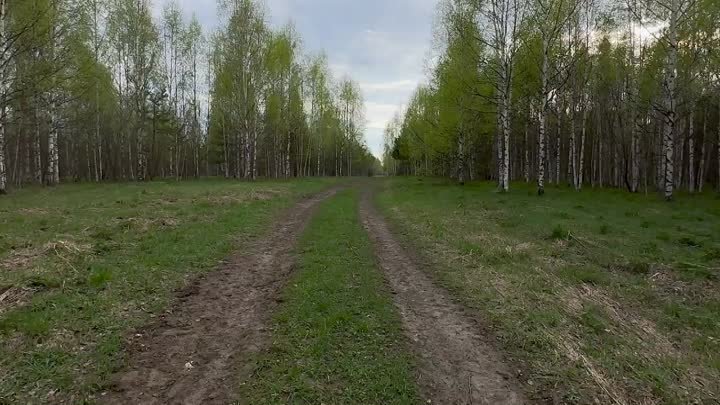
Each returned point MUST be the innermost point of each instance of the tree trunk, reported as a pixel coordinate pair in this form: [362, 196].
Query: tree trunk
[572, 150]
[288, 145]
[461, 160]
[53, 177]
[635, 154]
[581, 162]
[543, 119]
[526, 169]
[558, 145]
[3, 91]
[691, 152]
[36, 146]
[141, 155]
[3, 163]
[701, 167]
[669, 90]
[505, 118]
[254, 155]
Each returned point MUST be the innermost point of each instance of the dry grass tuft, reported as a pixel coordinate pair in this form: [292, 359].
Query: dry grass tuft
[14, 297]
[24, 258]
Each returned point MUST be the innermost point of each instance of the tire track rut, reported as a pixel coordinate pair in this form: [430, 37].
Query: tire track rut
[197, 352]
[456, 365]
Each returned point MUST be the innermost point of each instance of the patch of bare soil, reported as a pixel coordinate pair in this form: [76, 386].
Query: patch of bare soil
[456, 363]
[196, 353]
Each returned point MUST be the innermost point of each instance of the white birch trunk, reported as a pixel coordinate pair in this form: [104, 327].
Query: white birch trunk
[526, 169]
[691, 152]
[3, 94]
[572, 150]
[3, 164]
[254, 155]
[246, 154]
[505, 117]
[558, 146]
[499, 147]
[583, 134]
[669, 113]
[53, 155]
[543, 119]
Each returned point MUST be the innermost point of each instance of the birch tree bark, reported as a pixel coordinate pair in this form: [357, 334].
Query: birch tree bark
[669, 100]
[3, 94]
[691, 151]
[543, 117]
[583, 134]
[506, 17]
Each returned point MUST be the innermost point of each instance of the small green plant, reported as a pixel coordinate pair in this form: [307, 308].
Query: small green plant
[99, 277]
[594, 319]
[604, 229]
[559, 233]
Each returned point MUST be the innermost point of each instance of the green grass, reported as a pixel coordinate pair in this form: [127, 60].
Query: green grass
[337, 338]
[81, 265]
[602, 295]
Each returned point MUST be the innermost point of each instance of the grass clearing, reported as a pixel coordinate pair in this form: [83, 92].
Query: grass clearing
[605, 297]
[81, 265]
[337, 337]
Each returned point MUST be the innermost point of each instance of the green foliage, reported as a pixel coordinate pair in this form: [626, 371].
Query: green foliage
[559, 232]
[111, 262]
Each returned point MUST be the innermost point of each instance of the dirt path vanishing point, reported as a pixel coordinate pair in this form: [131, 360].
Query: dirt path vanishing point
[194, 354]
[456, 366]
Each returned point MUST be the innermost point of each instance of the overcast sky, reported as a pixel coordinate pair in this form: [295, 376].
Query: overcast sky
[381, 44]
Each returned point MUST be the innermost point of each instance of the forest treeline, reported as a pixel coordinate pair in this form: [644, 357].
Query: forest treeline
[94, 90]
[620, 93]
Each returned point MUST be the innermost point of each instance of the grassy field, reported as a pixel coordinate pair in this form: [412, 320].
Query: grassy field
[81, 265]
[337, 338]
[599, 297]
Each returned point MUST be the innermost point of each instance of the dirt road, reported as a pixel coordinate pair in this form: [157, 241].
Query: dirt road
[456, 364]
[192, 355]
[199, 351]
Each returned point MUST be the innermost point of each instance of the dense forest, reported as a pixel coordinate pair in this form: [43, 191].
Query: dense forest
[611, 93]
[97, 90]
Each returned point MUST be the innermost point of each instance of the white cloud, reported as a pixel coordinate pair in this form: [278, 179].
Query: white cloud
[378, 115]
[397, 85]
